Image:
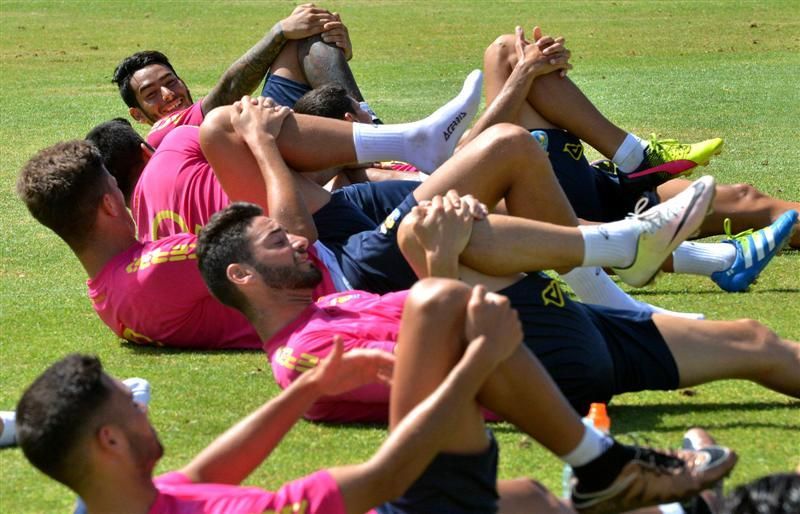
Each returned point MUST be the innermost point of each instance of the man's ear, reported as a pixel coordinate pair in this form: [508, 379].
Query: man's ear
[109, 438]
[138, 115]
[239, 274]
[108, 205]
[349, 117]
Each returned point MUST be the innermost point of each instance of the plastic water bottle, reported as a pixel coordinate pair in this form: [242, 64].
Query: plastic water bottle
[598, 418]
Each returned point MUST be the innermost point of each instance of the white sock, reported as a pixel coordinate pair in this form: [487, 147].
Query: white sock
[671, 508]
[610, 244]
[703, 258]
[9, 435]
[426, 143]
[630, 153]
[593, 444]
[592, 285]
[140, 389]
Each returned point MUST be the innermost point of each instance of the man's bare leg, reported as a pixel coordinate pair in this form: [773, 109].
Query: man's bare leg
[553, 101]
[746, 206]
[745, 349]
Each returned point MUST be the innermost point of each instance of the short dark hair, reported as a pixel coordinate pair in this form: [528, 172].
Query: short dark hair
[62, 187]
[121, 148]
[57, 411]
[328, 101]
[223, 241]
[130, 65]
[772, 493]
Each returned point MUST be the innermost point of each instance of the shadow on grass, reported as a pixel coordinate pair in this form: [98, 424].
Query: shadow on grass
[667, 292]
[649, 418]
[153, 350]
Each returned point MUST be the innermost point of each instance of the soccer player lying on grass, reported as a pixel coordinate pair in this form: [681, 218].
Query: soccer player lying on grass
[148, 292]
[176, 190]
[82, 427]
[560, 115]
[311, 45]
[252, 263]
[514, 87]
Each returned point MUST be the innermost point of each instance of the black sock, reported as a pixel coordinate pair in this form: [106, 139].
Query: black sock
[602, 471]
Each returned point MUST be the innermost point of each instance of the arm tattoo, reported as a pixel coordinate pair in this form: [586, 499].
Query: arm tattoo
[242, 77]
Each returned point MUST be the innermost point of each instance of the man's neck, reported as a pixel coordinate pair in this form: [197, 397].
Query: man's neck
[131, 497]
[101, 250]
[271, 313]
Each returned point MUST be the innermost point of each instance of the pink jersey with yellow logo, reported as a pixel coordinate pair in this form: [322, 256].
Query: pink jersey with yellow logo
[364, 320]
[192, 115]
[177, 191]
[153, 293]
[317, 493]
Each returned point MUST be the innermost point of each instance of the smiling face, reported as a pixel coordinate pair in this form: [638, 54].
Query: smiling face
[281, 259]
[159, 93]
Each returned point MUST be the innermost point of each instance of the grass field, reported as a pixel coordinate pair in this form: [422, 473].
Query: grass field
[685, 68]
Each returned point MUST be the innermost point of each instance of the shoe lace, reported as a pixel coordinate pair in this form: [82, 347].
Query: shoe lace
[652, 220]
[726, 226]
[658, 460]
[665, 149]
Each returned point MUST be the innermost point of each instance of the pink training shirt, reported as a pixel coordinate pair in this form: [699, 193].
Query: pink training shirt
[153, 293]
[364, 320]
[192, 115]
[177, 191]
[317, 493]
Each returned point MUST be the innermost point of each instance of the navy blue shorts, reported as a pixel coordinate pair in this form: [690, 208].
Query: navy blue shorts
[359, 225]
[453, 484]
[592, 352]
[594, 194]
[284, 91]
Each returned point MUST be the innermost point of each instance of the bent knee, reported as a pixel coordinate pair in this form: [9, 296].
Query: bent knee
[512, 141]
[438, 296]
[501, 51]
[758, 335]
[740, 192]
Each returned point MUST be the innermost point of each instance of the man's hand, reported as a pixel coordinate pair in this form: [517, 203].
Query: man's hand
[339, 373]
[258, 119]
[335, 33]
[492, 323]
[306, 20]
[443, 225]
[544, 55]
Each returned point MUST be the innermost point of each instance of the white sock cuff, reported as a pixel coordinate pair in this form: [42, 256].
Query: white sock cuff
[593, 443]
[378, 142]
[630, 153]
[9, 435]
[703, 258]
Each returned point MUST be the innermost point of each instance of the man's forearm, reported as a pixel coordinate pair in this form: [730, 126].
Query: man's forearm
[506, 106]
[244, 75]
[441, 264]
[284, 197]
[231, 457]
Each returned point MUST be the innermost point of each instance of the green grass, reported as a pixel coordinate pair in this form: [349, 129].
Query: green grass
[685, 68]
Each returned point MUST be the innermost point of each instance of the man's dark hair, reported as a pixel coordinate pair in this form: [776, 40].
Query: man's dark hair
[130, 65]
[224, 241]
[120, 146]
[771, 494]
[57, 411]
[62, 187]
[328, 101]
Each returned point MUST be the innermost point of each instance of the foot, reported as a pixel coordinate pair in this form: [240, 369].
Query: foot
[708, 501]
[754, 250]
[666, 159]
[438, 134]
[652, 477]
[664, 227]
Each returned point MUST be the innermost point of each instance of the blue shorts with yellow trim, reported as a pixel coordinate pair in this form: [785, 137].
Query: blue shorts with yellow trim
[359, 225]
[594, 194]
[591, 352]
